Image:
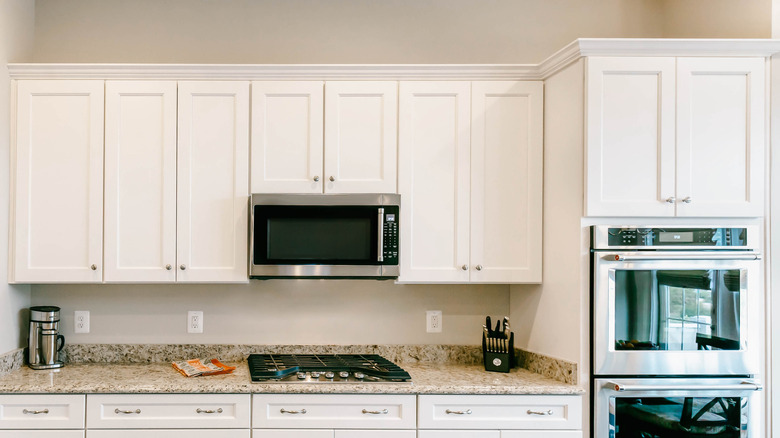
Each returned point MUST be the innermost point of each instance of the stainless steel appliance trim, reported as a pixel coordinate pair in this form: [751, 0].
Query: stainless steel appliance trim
[605, 398]
[609, 361]
[326, 199]
[696, 255]
[654, 386]
[323, 271]
[380, 247]
[600, 237]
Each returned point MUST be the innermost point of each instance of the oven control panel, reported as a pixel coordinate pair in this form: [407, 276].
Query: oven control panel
[676, 237]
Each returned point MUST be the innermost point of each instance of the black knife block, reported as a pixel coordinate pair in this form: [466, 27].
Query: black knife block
[499, 359]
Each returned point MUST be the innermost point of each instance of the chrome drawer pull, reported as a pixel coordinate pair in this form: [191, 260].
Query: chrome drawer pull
[382, 412]
[44, 411]
[530, 412]
[208, 411]
[285, 411]
[117, 411]
[466, 412]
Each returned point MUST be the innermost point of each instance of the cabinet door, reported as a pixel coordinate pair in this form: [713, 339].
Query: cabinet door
[58, 185]
[630, 117]
[287, 129]
[433, 180]
[360, 137]
[41, 411]
[170, 433]
[506, 182]
[213, 181]
[140, 210]
[720, 136]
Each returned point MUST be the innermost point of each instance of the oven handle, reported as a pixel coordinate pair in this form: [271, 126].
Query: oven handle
[680, 256]
[380, 257]
[746, 385]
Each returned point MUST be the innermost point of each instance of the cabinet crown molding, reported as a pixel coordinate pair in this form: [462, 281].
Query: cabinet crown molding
[578, 48]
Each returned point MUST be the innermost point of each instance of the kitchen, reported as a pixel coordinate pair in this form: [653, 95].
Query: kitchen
[540, 314]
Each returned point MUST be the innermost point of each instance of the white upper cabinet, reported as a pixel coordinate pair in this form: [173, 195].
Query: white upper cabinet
[287, 129]
[57, 202]
[213, 182]
[720, 136]
[434, 180]
[140, 181]
[360, 137]
[675, 136]
[506, 181]
[324, 137]
[630, 136]
[470, 175]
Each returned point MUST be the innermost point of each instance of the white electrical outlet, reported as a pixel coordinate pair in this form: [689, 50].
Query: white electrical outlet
[195, 321]
[433, 321]
[81, 321]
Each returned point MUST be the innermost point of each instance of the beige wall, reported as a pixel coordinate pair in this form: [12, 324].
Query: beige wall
[16, 37]
[332, 31]
[278, 312]
[717, 18]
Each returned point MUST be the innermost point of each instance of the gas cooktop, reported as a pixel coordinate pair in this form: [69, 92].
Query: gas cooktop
[325, 368]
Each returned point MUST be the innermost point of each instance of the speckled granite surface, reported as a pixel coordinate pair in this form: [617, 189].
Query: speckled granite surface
[428, 378]
[11, 361]
[435, 369]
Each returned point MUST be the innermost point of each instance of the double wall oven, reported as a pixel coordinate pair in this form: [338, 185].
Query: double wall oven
[676, 325]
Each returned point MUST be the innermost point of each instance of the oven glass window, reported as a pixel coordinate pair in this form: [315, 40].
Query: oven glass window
[677, 310]
[667, 417]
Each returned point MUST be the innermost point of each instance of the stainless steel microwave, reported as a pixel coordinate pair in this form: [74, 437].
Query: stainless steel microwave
[324, 236]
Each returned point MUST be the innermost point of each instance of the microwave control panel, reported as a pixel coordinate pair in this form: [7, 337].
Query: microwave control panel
[390, 248]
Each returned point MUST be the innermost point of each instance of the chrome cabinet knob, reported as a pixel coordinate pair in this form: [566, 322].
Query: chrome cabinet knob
[687, 200]
[332, 179]
[316, 178]
[168, 267]
[478, 268]
[93, 267]
[465, 267]
[183, 267]
[671, 200]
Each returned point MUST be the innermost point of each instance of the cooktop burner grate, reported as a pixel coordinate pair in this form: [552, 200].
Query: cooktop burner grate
[309, 368]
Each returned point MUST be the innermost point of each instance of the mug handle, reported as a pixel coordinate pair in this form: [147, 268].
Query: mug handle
[61, 338]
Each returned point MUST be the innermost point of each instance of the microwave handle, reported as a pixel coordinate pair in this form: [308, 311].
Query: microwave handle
[680, 256]
[380, 247]
[746, 385]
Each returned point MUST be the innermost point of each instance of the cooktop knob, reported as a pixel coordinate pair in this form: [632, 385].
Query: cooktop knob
[343, 374]
[315, 374]
[359, 375]
[301, 375]
[329, 375]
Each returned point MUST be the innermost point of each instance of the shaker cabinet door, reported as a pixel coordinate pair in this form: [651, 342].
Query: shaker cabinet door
[720, 136]
[140, 181]
[360, 136]
[287, 129]
[57, 183]
[433, 180]
[213, 182]
[630, 126]
[506, 182]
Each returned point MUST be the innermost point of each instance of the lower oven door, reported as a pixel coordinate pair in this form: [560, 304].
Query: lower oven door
[684, 313]
[679, 408]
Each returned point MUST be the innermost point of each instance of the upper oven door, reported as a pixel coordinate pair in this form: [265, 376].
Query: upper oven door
[676, 313]
[666, 408]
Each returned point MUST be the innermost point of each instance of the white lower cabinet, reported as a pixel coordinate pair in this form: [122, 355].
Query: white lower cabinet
[504, 416]
[330, 433]
[166, 411]
[41, 434]
[43, 411]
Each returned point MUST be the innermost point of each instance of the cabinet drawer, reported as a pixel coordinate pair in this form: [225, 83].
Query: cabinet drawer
[292, 433]
[41, 434]
[376, 433]
[459, 434]
[169, 433]
[310, 411]
[500, 412]
[41, 411]
[180, 411]
[541, 434]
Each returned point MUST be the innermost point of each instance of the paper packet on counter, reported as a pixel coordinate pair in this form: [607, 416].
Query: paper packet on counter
[202, 367]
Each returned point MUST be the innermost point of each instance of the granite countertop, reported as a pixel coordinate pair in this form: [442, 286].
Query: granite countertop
[428, 378]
